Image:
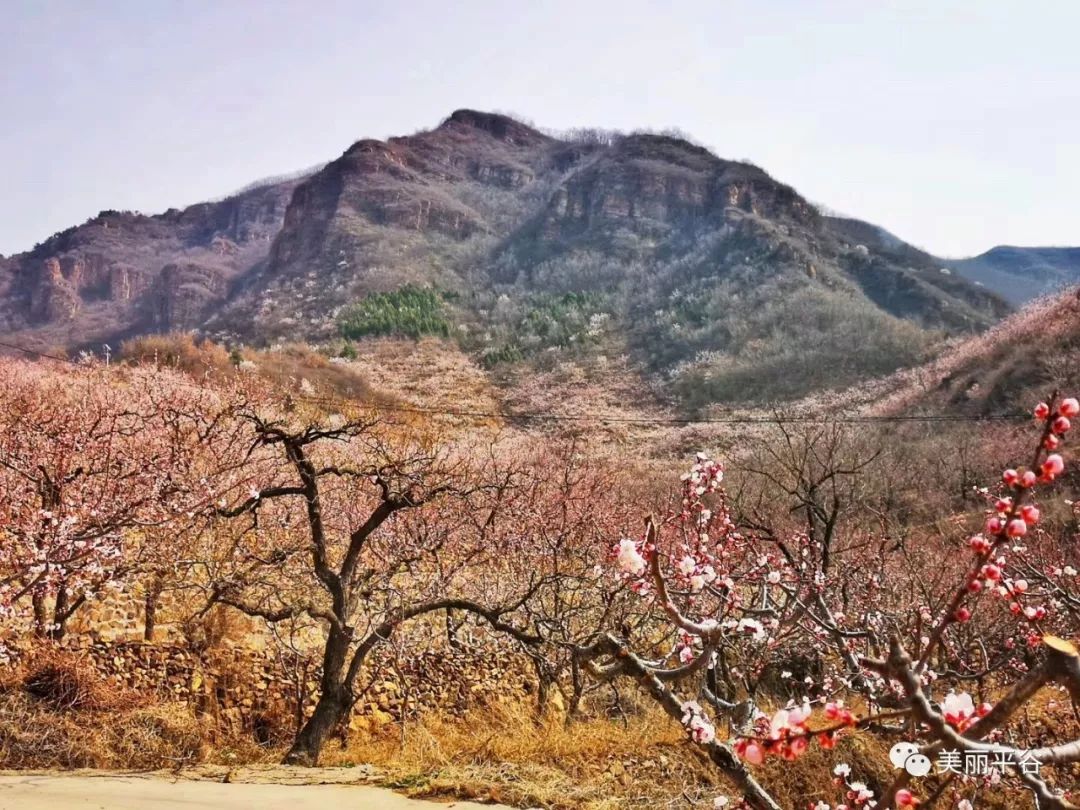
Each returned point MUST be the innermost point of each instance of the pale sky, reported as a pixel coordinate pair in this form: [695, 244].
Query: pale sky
[956, 125]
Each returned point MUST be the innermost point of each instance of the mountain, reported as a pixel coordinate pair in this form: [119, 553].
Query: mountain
[123, 272]
[1019, 274]
[524, 250]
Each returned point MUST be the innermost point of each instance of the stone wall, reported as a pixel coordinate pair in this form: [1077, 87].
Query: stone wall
[257, 689]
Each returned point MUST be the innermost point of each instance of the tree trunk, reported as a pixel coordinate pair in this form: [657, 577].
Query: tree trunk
[332, 707]
[329, 711]
[41, 616]
[153, 596]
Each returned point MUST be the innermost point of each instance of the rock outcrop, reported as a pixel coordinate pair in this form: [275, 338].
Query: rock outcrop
[124, 272]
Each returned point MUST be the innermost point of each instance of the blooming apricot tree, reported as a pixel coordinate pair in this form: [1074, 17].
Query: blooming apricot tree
[88, 459]
[349, 525]
[737, 603]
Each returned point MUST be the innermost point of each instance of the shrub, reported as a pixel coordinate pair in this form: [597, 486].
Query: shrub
[408, 312]
[62, 681]
[179, 350]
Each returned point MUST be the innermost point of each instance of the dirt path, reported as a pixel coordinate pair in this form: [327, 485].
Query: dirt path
[139, 792]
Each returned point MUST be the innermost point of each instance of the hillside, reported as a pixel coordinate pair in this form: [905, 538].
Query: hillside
[1019, 274]
[709, 279]
[1020, 360]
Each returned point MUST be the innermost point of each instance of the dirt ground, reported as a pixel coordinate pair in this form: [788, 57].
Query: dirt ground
[326, 788]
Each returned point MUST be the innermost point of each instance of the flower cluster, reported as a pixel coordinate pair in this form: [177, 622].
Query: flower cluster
[629, 557]
[705, 476]
[697, 725]
[856, 794]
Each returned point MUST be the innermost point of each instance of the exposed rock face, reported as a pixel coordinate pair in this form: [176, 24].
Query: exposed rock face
[651, 180]
[124, 272]
[184, 294]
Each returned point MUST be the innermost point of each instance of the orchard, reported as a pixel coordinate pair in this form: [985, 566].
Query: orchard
[826, 597]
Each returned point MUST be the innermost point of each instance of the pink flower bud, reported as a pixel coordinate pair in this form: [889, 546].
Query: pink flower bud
[1069, 407]
[962, 614]
[1010, 476]
[1020, 586]
[979, 544]
[994, 525]
[1042, 410]
[1051, 442]
[904, 798]
[1061, 425]
[1054, 465]
[975, 586]
[1016, 528]
[1028, 479]
[1030, 514]
[991, 572]
[1003, 504]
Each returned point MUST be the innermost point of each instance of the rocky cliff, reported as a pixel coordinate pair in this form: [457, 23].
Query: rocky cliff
[124, 272]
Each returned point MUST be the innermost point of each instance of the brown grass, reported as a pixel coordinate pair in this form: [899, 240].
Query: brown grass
[641, 761]
[506, 755]
[56, 711]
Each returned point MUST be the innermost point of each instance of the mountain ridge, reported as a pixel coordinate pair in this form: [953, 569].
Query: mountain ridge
[706, 272]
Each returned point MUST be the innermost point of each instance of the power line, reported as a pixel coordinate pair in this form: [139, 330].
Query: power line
[537, 416]
[35, 353]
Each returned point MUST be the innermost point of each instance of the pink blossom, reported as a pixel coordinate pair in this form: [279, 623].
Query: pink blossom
[629, 558]
[979, 544]
[1069, 407]
[957, 707]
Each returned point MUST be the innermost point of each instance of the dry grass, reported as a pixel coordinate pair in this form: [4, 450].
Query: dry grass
[506, 755]
[33, 736]
[57, 712]
[642, 761]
